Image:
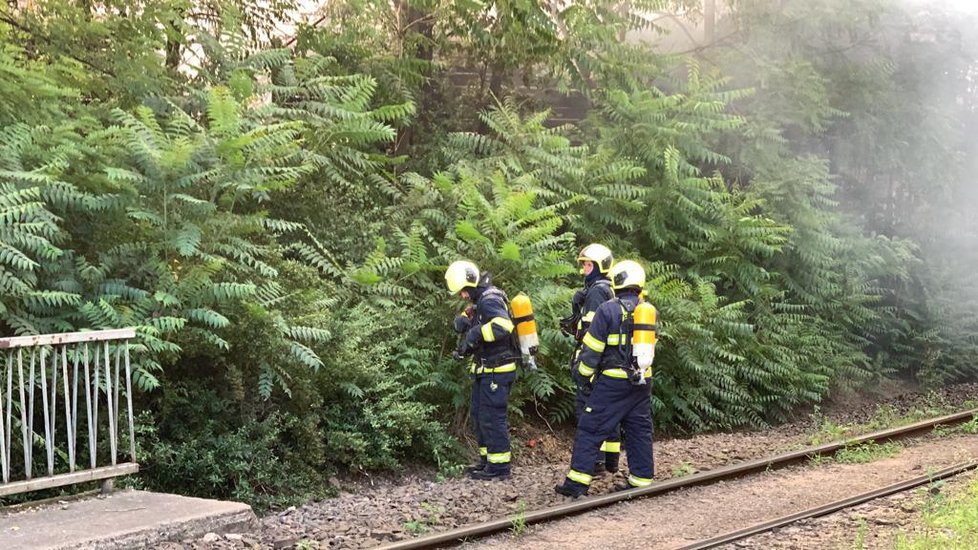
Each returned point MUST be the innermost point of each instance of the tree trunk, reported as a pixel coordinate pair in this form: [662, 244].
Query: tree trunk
[416, 22]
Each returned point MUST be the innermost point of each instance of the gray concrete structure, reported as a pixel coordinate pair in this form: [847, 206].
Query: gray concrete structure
[121, 520]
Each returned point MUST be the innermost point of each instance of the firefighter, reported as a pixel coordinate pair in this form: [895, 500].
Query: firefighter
[486, 334]
[621, 390]
[595, 261]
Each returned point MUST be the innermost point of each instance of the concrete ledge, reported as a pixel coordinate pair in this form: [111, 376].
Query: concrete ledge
[122, 520]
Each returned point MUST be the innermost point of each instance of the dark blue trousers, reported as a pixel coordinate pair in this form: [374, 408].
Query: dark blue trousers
[611, 447]
[614, 402]
[490, 398]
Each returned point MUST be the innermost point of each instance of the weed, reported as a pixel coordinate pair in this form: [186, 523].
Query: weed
[431, 518]
[949, 523]
[818, 460]
[449, 471]
[416, 527]
[683, 469]
[935, 404]
[942, 430]
[867, 452]
[828, 430]
[306, 544]
[519, 520]
[861, 531]
[970, 426]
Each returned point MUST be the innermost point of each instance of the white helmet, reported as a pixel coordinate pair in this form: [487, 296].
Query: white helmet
[599, 254]
[461, 274]
[627, 273]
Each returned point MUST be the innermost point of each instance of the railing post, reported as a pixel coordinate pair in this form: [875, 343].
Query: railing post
[44, 352]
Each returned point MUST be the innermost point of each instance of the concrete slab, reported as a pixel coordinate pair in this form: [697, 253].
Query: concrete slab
[121, 520]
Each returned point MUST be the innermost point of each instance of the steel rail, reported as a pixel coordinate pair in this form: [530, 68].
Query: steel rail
[459, 534]
[829, 508]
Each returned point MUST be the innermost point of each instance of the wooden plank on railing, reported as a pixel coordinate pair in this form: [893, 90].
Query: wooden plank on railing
[61, 480]
[66, 338]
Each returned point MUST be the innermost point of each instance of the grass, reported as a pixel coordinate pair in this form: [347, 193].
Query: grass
[948, 523]
[682, 469]
[867, 452]
[431, 518]
[858, 454]
[519, 520]
[887, 416]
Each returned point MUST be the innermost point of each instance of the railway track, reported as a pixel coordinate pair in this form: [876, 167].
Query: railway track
[479, 530]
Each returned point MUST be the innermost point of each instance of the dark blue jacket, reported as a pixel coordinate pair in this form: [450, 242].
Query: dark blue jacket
[595, 294]
[489, 337]
[605, 346]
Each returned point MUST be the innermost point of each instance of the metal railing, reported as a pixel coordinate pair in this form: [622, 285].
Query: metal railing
[47, 370]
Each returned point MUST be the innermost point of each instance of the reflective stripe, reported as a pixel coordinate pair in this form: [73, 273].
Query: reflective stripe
[580, 477]
[636, 481]
[503, 323]
[499, 458]
[483, 451]
[589, 317]
[508, 367]
[611, 446]
[585, 370]
[620, 373]
[593, 343]
[615, 340]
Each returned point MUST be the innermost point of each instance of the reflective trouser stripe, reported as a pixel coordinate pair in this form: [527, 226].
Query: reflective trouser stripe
[636, 481]
[499, 458]
[585, 370]
[620, 373]
[580, 477]
[508, 367]
[593, 343]
[483, 451]
[611, 446]
[503, 322]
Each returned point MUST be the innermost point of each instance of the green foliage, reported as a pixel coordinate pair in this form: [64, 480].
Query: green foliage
[242, 463]
[275, 222]
[866, 452]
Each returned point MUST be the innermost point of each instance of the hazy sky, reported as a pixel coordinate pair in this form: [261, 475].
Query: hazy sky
[970, 6]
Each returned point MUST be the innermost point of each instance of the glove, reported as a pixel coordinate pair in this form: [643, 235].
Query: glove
[568, 325]
[457, 356]
[578, 300]
[462, 324]
[583, 384]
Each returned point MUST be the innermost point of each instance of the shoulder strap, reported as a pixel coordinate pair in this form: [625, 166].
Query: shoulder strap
[493, 291]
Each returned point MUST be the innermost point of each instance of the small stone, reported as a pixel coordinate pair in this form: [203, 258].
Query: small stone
[285, 543]
[212, 537]
[233, 536]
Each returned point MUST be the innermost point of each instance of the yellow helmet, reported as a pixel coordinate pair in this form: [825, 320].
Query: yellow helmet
[599, 254]
[627, 273]
[461, 274]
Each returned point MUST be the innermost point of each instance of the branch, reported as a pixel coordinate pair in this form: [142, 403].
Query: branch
[8, 18]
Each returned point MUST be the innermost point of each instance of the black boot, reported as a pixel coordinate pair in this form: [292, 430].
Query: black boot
[611, 462]
[477, 467]
[570, 490]
[491, 474]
